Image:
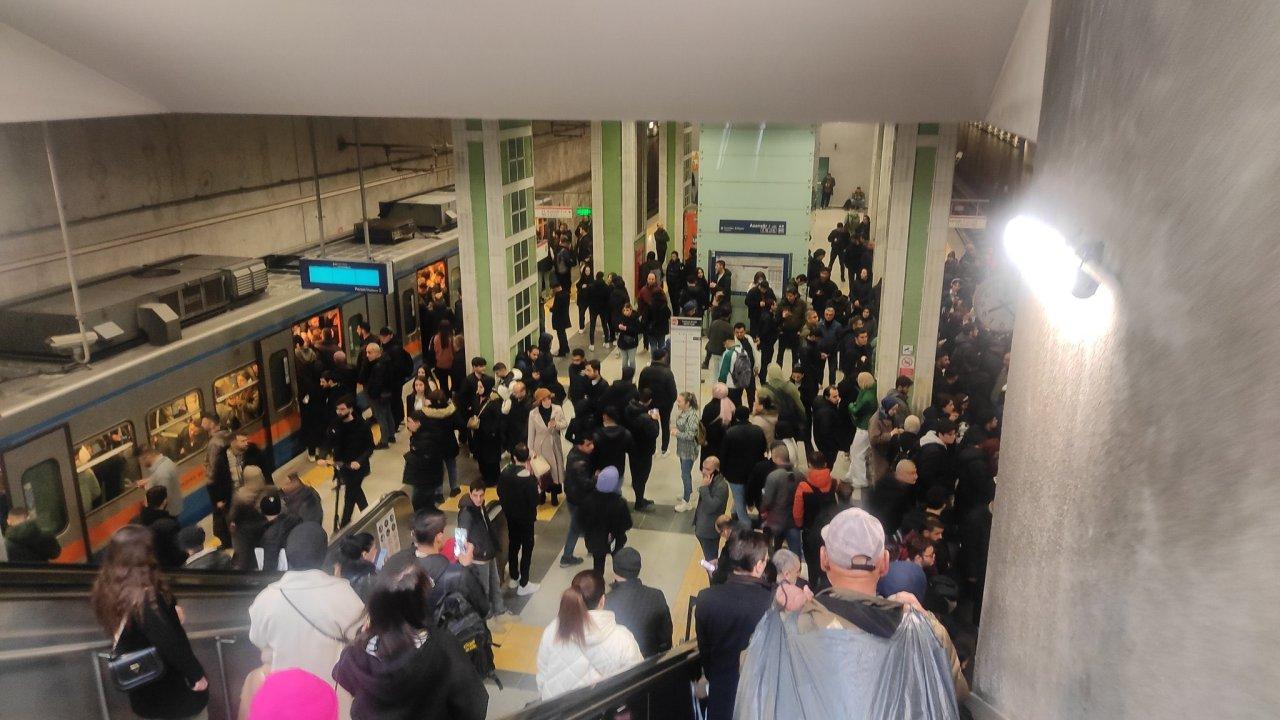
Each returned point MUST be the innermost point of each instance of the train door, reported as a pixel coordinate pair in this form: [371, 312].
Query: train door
[40, 478]
[378, 315]
[283, 420]
[407, 315]
[355, 312]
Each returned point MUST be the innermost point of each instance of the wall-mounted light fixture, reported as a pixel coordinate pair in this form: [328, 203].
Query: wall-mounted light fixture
[1071, 283]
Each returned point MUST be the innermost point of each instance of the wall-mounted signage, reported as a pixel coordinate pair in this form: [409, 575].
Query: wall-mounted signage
[753, 227]
[344, 275]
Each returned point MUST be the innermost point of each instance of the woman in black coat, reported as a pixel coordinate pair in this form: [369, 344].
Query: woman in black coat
[605, 518]
[560, 316]
[132, 604]
[583, 288]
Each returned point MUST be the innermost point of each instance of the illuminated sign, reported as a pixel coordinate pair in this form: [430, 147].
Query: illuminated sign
[344, 276]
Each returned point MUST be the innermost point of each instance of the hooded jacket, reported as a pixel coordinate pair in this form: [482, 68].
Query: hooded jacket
[26, 542]
[819, 479]
[564, 666]
[432, 680]
[786, 397]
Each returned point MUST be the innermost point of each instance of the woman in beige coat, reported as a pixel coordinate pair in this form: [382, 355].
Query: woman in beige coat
[546, 426]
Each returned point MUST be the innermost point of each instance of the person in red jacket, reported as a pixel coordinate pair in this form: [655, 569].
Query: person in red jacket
[813, 494]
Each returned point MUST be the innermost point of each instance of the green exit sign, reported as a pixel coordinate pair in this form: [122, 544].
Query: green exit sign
[583, 212]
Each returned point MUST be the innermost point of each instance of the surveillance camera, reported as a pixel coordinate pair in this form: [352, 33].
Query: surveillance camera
[70, 341]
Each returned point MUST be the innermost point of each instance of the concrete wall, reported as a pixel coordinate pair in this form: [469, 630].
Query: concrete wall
[850, 147]
[142, 189]
[562, 154]
[1133, 567]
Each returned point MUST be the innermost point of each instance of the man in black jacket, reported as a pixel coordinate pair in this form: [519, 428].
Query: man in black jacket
[642, 421]
[275, 534]
[892, 497]
[560, 321]
[832, 429]
[641, 609]
[727, 614]
[518, 493]
[401, 363]
[579, 481]
[351, 443]
[621, 392]
[484, 542]
[227, 477]
[935, 459]
[380, 385]
[743, 446]
[658, 379]
[612, 442]
[577, 375]
[448, 579]
[164, 527]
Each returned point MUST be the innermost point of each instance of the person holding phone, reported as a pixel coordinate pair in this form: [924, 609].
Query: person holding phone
[474, 522]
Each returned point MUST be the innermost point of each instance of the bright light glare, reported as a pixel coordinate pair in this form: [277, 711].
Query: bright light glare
[1049, 266]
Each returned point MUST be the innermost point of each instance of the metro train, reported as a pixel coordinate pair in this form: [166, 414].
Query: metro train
[67, 438]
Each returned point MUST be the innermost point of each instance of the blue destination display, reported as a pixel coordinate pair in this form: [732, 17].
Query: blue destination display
[754, 227]
[343, 275]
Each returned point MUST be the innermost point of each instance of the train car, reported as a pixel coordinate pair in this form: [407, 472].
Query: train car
[67, 439]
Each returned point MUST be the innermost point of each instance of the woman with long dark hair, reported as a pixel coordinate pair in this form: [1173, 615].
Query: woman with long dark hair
[584, 644]
[402, 665]
[132, 603]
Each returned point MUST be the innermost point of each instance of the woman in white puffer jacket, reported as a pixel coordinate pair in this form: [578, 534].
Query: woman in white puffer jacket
[584, 644]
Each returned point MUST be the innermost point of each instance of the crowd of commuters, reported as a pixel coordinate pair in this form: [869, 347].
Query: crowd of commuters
[814, 493]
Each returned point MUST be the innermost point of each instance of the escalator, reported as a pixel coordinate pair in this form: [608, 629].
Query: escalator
[660, 688]
[51, 647]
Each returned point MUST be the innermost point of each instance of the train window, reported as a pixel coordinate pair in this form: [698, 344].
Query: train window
[322, 331]
[42, 490]
[105, 466]
[174, 427]
[281, 390]
[236, 397]
[409, 311]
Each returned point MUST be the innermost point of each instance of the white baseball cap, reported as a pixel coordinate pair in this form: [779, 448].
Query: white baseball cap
[851, 535]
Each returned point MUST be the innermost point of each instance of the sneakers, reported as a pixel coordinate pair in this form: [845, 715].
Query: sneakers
[683, 506]
[591, 347]
[513, 583]
[526, 590]
[642, 505]
[570, 561]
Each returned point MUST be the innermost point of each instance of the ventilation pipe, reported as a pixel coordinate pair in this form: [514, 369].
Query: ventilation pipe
[66, 245]
[315, 180]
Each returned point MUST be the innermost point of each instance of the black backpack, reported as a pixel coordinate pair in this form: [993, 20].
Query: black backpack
[456, 615]
[815, 504]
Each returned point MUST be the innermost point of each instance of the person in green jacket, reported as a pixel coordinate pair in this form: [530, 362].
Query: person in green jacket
[861, 411]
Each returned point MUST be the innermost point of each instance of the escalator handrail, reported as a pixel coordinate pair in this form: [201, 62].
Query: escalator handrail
[611, 692]
[28, 654]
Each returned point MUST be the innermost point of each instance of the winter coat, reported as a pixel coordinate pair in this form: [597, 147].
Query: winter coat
[714, 428]
[170, 695]
[628, 331]
[719, 331]
[726, 615]
[578, 478]
[644, 429]
[791, 315]
[643, 610]
[775, 502]
[934, 464]
[686, 424]
[786, 398]
[319, 600]
[818, 480]
[544, 441]
[712, 501]
[564, 666]
[880, 427]
[433, 679]
[613, 442]
[767, 422]
[479, 530]
[658, 379]
[742, 447]
[832, 431]
[518, 493]
[26, 542]
[861, 409]
[890, 500]
[605, 521]
[560, 310]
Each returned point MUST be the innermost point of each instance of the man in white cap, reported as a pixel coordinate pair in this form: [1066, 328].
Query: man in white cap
[854, 559]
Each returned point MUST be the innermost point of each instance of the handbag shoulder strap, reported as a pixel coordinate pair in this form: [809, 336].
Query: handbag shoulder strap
[339, 640]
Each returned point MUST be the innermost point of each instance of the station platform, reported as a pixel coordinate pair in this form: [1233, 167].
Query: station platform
[663, 537]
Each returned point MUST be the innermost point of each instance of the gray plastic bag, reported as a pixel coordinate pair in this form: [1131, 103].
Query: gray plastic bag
[836, 673]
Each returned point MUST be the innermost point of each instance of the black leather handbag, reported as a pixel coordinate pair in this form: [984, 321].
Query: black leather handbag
[133, 670]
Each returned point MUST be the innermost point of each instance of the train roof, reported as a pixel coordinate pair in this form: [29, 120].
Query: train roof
[30, 384]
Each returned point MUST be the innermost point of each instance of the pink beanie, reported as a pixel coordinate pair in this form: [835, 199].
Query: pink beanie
[294, 694]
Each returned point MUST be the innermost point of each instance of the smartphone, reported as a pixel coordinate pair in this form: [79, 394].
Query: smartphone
[459, 540]
[381, 560]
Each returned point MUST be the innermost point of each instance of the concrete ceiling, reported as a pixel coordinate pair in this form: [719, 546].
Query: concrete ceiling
[747, 60]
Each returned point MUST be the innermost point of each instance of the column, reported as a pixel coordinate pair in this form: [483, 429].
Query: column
[913, 247]
[613, 197]
[878, 200]
[670, 185]
[755, 188]
[496, 245]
